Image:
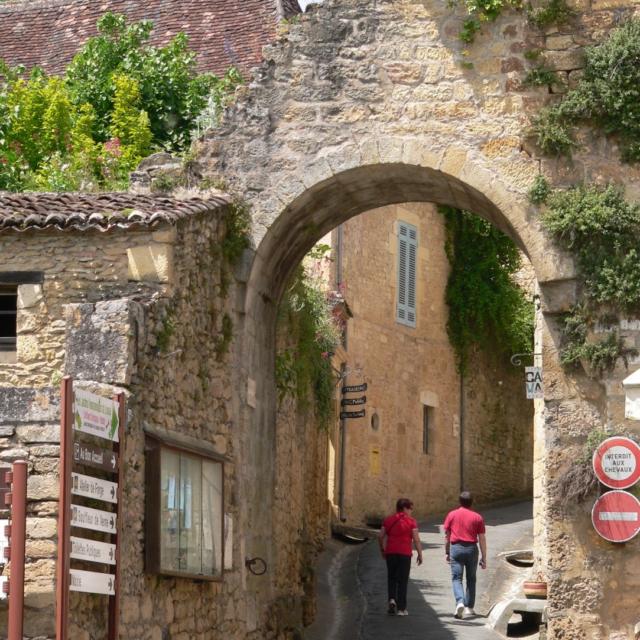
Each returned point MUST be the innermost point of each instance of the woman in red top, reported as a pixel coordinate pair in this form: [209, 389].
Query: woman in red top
[395, 538]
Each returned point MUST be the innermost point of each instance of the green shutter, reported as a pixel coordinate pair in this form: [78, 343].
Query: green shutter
[407, 261]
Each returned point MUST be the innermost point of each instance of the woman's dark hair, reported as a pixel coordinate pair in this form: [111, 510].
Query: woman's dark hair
[403, 503]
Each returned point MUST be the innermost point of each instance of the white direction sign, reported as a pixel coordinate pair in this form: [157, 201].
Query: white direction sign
[94, 519]
[4, 581]
[533, 382]
[4, 541]
[91, 487]
[93, 551]
[92, 582]
[95, 415]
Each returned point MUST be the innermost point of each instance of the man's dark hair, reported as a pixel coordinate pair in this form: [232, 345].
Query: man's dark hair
[403, 503]
[466, 499]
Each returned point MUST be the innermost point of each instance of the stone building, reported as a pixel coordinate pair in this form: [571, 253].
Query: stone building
[362, 105]
[418, 438]
[130, 293]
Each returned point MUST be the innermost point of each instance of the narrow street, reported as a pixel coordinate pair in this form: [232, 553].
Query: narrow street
[352, 586]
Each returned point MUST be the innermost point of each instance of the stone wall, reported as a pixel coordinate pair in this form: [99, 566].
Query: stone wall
[368, 104]
[74, 272]
[407, 369]
[498, 430]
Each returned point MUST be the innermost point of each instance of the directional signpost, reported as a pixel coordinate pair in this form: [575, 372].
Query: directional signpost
[85, 416]
[616, 516]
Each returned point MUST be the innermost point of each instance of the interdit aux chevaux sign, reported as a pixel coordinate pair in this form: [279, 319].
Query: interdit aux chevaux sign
[616, 514]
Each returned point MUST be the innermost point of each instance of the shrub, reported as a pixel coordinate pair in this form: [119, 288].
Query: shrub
[607, 96]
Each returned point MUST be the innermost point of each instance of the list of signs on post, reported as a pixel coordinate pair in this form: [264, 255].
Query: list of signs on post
[616, 514]
[97, 417]
[348, 402]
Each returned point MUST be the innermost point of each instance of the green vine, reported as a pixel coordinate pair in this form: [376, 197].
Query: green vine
[163, 337]
[482, 11]
[223, 341]
[607, 96]
[486, 308]
[304, 369]
[601, 229]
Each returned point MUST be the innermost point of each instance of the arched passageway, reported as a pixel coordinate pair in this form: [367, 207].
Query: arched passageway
[371, 103]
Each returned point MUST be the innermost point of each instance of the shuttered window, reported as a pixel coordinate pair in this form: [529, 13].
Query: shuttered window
[407, 259]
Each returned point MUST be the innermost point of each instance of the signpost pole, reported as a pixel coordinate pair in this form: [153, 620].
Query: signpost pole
[343, 445]
[114, 600]
[64, 509]
[17, 549]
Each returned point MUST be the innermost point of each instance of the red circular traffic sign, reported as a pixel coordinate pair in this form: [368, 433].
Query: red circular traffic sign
[616, 462]
[616, 516]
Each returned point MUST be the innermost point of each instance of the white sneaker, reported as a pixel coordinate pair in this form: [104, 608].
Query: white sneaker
[402, 612]
[468, 611]
[459, 611]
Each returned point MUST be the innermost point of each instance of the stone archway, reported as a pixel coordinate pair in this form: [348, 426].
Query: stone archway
[371, 103]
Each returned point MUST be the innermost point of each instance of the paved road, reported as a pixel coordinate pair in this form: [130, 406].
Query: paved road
[352, 586]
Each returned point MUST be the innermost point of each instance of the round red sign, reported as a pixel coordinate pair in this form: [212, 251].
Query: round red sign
[616, 516]
[616, 462]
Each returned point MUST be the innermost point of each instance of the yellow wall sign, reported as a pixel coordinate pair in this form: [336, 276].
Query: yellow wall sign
[374, 461]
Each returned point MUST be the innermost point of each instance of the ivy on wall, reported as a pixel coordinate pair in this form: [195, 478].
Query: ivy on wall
[607, 97]
[487, 309]
[540, 14]
[602, 230]
[119, 99]
[303, 367]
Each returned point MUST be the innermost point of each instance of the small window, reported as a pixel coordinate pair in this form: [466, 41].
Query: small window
[407, 260]
[427, 419]
[8, 315]
[185, 524]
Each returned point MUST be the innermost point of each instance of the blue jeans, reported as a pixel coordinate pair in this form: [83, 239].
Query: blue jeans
[464, 559]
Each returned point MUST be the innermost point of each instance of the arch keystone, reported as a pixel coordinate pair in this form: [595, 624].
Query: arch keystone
[344, 157]
[453, 161]
[417, 153]
[318, 171]
[390, 149]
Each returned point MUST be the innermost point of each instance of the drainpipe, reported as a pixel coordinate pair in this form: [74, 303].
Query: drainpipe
[461, 430]
[343, 451]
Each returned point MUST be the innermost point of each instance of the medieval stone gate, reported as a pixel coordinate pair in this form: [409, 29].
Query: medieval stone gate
[367, 103]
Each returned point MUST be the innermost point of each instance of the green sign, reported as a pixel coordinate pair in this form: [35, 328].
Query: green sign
[95, 415]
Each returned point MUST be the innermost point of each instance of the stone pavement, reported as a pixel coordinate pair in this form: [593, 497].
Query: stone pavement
[352, 586]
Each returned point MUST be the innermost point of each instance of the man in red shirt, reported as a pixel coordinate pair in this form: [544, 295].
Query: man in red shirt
[464, 529]
[395, 538]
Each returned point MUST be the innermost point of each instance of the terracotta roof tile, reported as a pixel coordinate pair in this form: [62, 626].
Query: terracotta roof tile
[100, 211]
[222, 32]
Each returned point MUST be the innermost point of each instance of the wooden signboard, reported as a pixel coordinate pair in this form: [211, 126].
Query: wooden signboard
[85, 416]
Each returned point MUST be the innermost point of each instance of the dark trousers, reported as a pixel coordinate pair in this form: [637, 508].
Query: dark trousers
[398, 568]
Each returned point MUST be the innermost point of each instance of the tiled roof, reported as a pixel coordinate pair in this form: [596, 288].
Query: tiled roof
[100, 211]
[48, 33]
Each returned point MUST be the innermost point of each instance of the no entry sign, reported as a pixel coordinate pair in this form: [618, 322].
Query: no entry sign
[616, 462]
[616, 516]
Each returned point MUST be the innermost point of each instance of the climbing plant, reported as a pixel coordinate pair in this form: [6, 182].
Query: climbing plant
[303, 365]
[607, 97]
[601, 229]
[541, 14]
[119, 99]
[487, 309]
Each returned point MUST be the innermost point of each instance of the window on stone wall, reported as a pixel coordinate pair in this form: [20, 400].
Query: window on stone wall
[184, 521]
[407, 260]
[427, 427]
[8, 316]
